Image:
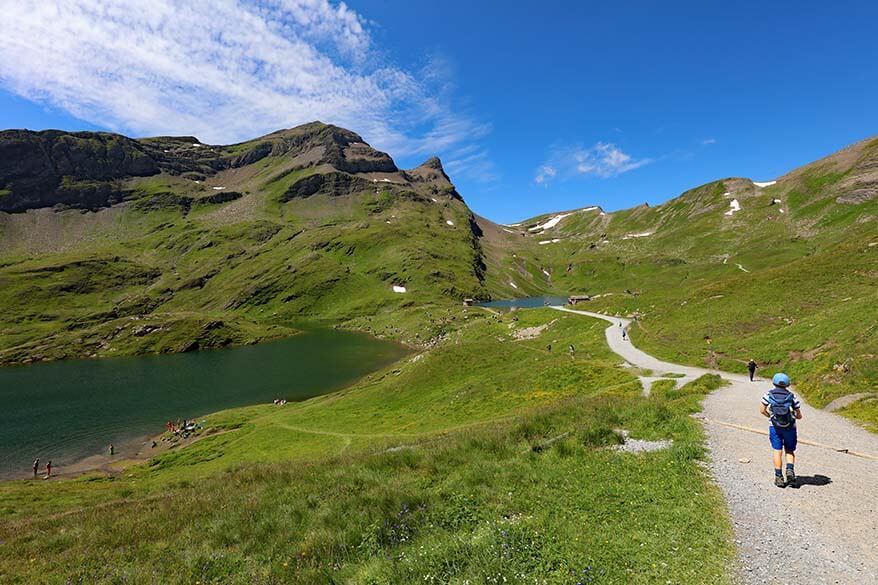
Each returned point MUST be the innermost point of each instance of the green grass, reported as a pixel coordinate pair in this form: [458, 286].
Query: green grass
[485, 459]
[799, 302]
[864, 411]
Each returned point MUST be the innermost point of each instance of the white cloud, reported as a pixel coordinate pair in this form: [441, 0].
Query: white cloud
[708, 141]
[603, 160]
[606, 160]
[224, 70]
[545, 174]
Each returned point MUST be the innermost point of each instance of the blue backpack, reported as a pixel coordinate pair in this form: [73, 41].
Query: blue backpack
[780, 405]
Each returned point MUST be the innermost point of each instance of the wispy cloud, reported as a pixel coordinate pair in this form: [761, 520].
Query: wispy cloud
[545, 174]
[225, 71]
[473, 163]
[602, 160]
[606, 160]
[708, 141]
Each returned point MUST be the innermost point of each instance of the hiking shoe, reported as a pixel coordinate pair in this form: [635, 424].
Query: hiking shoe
[791, 477]
[779, 481]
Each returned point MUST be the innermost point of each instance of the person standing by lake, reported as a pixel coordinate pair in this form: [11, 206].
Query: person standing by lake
[36, 466]
[112, 450]
[751, 367]
[49, 469]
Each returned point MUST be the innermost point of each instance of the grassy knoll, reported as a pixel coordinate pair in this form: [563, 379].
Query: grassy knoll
[486, 459]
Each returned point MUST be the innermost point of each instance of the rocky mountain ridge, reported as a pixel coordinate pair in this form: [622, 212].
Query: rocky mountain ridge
[91, 170]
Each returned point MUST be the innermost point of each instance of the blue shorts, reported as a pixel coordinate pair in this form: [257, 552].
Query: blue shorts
[782, 438]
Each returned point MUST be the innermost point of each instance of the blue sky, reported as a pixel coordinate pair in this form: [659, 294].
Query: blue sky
[532, 107]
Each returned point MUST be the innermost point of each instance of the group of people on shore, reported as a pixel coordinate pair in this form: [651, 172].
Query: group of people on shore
[111, 450]
[37, 468]
[183, 427]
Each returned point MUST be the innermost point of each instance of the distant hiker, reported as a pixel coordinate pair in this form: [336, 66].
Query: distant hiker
[751, 367]
[782, 408]
[49, 469]
[624, 335]
[36, 466]
[572, 350]
[112, 450]
[549, 348]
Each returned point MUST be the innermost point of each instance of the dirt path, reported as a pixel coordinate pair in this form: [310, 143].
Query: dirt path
[826, 531]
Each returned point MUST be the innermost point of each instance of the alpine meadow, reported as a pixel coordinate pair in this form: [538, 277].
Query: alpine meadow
[300, 359]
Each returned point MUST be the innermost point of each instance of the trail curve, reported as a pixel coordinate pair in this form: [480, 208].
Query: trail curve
[824, 531]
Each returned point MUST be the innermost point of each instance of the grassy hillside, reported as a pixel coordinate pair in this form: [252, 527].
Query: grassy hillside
[486, 459]
[789, 278]
[234, 247]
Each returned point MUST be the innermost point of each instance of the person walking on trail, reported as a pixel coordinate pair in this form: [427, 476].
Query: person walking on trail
[624, 335]
[783, 409]
[751, 367]
[36, 466]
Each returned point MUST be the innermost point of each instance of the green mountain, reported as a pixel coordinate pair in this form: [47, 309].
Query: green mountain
[110, 245]
[784, 272]
[484, 457]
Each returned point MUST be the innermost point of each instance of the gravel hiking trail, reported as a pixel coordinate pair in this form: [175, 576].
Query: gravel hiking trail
[823, 531]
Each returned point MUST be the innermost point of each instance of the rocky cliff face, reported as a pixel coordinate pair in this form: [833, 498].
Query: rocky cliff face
[90, 170]
[321, 144]
[42, 169]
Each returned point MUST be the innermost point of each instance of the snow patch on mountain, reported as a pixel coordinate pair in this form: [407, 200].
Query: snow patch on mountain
[549, 224]
[643, 235]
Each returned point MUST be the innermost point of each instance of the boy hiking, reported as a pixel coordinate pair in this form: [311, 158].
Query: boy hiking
[782, 408]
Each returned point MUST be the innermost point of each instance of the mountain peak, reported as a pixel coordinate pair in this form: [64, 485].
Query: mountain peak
[433, 163]
[339, 147]
[431, 169]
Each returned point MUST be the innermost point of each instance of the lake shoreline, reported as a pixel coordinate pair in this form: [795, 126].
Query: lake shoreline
[126, 455]
[70, 411]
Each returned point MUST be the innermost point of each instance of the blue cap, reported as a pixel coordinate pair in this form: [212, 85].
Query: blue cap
[781, 380]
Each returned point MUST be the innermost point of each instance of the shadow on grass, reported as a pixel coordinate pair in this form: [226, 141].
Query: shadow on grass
[818, 480]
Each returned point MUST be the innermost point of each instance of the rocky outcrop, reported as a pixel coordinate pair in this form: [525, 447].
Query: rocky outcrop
[431, 172]
[89, 170]
[335, 184]
[81, 169]
[334, 146]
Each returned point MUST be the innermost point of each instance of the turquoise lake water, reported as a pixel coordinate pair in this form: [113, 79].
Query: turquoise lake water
[68, 410]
